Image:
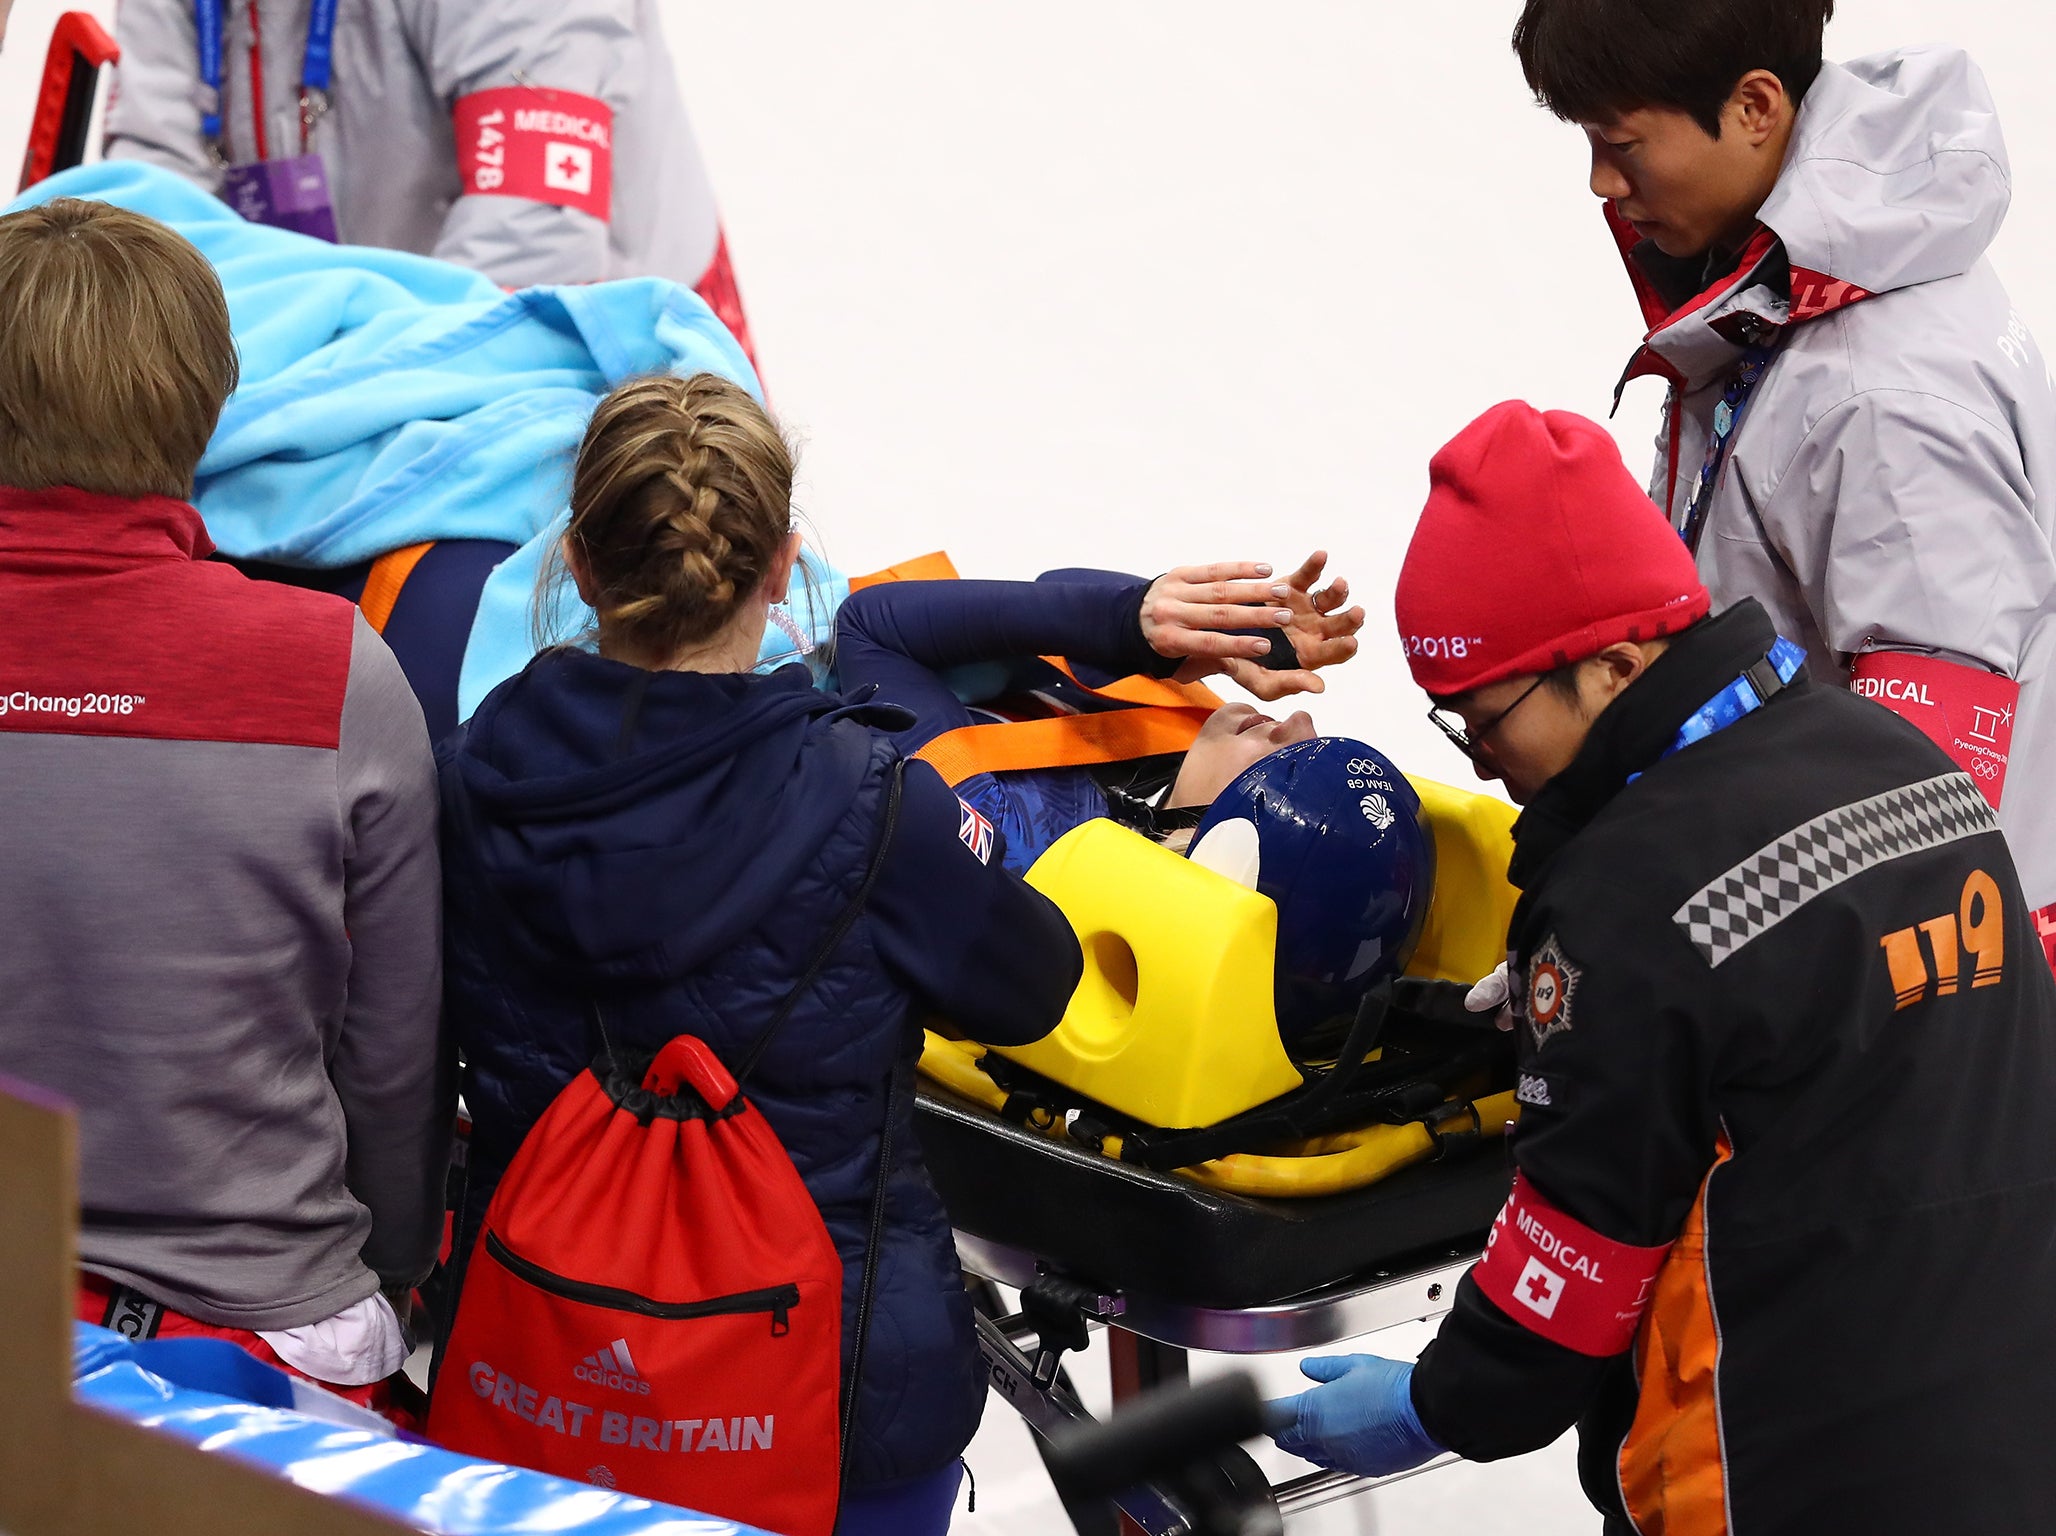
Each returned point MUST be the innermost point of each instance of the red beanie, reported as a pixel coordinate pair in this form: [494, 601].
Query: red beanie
[1536, 549]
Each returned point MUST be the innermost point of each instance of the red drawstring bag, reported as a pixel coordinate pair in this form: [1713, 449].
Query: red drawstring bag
[654, 1303]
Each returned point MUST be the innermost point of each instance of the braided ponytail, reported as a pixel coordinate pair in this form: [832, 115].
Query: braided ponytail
[680, 504]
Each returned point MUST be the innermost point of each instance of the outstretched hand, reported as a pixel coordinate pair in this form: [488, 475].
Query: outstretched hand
[1194, 611]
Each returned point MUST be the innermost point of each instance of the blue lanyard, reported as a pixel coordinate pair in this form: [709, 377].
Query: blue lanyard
[207, 23]
[1758, 683]
[1727, 420]
[317, 64]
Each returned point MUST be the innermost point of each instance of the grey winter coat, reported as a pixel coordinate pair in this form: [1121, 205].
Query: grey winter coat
[388, 142]
[1893, 482]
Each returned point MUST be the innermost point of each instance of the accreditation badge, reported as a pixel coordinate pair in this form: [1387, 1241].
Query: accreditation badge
[286, 194]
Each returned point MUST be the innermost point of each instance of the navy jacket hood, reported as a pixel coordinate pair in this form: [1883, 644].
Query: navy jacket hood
[586, 780]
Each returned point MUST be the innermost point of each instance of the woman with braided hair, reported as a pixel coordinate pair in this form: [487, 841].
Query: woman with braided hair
[648, 822]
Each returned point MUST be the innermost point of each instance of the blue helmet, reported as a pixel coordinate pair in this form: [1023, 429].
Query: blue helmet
[1334, 835]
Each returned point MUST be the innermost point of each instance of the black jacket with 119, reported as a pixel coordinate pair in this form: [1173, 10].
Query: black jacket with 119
[1783, 1236]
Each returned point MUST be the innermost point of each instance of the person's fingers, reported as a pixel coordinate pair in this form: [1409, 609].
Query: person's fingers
[1255, 680]
[1312, 654]
[1215, 644]
[1293, 1443]
[1309, 571]
[1193, 615]
[1490, 991]
[1235, 605]
[1332, 596]
[1285, 684]
[1281, 1414]
[1262, 683]
[1334, 637]
[1242, 593]
[1220, 570]
[1329, 1367]
[1329, 626]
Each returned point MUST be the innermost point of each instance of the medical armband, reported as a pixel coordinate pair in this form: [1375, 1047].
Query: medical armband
[1964, 710]
[1555, 1276]
[547, 146]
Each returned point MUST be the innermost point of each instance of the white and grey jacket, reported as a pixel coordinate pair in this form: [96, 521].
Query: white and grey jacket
[388, 141]
[1892, 485]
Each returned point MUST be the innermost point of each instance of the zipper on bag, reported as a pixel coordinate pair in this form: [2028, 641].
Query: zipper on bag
[777, 1300]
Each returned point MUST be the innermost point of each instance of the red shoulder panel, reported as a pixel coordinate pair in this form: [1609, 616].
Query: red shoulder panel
[174, 650]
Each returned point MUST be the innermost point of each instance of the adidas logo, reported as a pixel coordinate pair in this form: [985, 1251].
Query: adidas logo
[612, 1367]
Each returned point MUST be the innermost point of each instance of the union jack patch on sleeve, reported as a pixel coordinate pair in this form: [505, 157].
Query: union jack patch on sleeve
[974, 832]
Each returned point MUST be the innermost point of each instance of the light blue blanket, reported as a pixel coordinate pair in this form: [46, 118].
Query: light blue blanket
[388, 399]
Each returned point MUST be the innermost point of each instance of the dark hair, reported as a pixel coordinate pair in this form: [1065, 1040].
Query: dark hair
[1563, 682]
[1590, 61]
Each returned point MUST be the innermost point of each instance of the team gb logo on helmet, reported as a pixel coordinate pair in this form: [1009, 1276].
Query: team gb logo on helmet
[1552, 984]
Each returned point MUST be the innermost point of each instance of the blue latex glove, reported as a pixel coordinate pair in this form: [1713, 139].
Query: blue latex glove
[1361, 1421]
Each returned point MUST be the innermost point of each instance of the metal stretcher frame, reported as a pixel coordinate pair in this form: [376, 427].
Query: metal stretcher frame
[1150, 1339]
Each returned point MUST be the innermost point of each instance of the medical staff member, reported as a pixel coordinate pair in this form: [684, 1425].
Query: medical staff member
[536, 141]
[1782, 1234]
[1861, 431]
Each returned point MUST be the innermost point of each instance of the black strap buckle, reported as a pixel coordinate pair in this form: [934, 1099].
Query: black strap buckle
[1763, 677]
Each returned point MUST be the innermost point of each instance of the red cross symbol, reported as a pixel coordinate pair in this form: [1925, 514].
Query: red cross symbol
[569, 167]
[1538, 1289]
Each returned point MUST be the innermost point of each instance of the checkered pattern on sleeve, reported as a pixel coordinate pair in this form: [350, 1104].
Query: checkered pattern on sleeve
[1776, 881]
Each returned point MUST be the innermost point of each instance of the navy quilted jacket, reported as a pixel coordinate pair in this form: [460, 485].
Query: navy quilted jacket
[676, 845]
[913, 640]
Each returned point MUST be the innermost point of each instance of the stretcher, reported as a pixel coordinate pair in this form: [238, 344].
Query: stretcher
[1277, 1248]
[1132, 1256]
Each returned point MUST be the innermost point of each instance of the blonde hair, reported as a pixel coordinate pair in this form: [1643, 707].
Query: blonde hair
[680, 503]
[115, 351]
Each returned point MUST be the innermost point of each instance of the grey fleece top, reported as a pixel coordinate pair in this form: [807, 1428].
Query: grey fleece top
[221, 901]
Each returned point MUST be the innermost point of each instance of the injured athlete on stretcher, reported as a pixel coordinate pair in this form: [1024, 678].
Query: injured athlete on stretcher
[1064, 714]
[962, 653]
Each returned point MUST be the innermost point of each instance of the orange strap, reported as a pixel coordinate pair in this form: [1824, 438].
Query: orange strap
[389, 573]
[1151, 729]
[933, 566]
[1149, 692]
[1164, 717]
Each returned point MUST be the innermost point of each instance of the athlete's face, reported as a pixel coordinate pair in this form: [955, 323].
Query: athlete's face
[1235, 737]
[1686, 189]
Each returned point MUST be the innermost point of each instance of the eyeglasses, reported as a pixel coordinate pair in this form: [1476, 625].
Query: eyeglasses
[1468, 742]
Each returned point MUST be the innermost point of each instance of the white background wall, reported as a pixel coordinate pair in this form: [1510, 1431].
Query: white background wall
[1138, 283]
